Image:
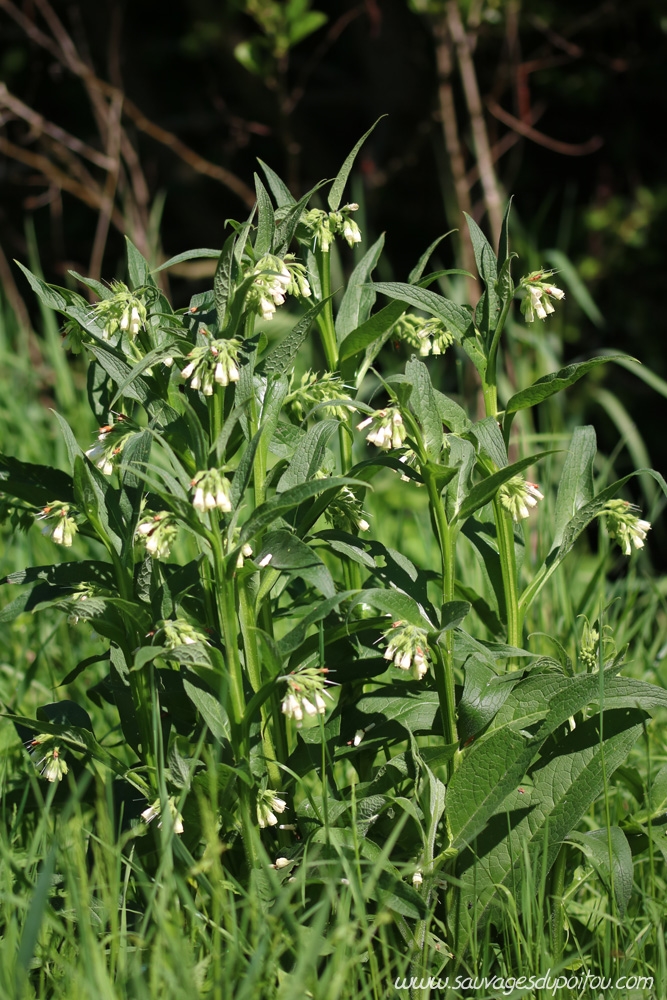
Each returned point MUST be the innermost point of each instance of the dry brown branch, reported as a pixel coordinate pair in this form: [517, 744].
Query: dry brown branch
[556, 145]
[13, 295]
[114, 130]
[487, 173]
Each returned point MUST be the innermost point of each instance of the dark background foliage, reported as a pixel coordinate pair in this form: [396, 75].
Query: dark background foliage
[584, 74]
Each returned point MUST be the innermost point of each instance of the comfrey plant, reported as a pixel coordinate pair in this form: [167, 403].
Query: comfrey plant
[261, 645]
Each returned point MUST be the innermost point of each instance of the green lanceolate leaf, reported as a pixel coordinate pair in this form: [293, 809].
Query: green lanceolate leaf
[370, 331]
[400, 606]
[491, 442]
[482, 492]
[223, 279]
[279, 189]
[180, 258]
[35, 484]
[425, 407]
[309, 455]
[488, 271]
[297, 635]
[289, 553]
[338, 186]
[208, 706]
[417, 271]
[281, 358]
[548, 385]
[282, 503]
[456, 318]
[286, 229]
[138, 270]
[358, 299]
[265, 221]
[576, 482]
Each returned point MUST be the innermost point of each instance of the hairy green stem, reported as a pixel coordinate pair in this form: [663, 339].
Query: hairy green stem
[325, 320]
[505, 538]
[226, 603]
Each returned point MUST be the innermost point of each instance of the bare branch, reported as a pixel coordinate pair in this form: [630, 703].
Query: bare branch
[566, 148]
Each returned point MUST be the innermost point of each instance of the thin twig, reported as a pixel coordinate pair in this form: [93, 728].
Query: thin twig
[566, 148]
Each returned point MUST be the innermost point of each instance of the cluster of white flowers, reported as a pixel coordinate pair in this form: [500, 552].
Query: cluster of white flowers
[157, 533]
[111, 440]
[50, 765]
[122, 311]
[408, 648]
[315, 389]
[387, 429]
[305, 694]
[346, 513]
[215, 363]
[428, 336]
[519, 496]
[624, 525]
[177, 632]
[275, 278]
[323, 226]
[155, 812]
[268, 804]
[212, 490]
[60, 527]
[539, 293]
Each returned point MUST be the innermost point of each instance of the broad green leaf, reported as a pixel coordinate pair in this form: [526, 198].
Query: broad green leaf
[456, 318]
[208, 706]
[68, 574]
[119, 371]
[451, 414]
[491, 441]
[280, 504]
[338, 186]
[411, 707]
[35, 484]
[425, 407]
[293, 639]
[279, 189]
[305, 25]
[462, 458]
[281, 358]
[370, 331]
[482, 492]
[488, 272]
[576, 482]
[595, 845]
[358, 299]
[265, 221]
[286, 228]
[566, 779]
[180, 258]
[309, 455]
[293, 555]
[504, 244]
[100, 289]
[400, 606]
[485, 776]
[483, 695]
[223, 279]
[138, 270]
[153, 357]
[549, 385]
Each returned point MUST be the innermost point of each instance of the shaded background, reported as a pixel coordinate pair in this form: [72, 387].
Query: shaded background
[148, 118]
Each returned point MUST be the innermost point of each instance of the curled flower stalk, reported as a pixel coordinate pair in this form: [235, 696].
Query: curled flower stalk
[407, 648]
[269, 806]
[59, 525]
[624, 526]
[537, 302]
[305, 696]
[157, 533]
[122, 312]
[323, 227]
[212, 490]
[215, 363]
[519, 497]
[385, 428]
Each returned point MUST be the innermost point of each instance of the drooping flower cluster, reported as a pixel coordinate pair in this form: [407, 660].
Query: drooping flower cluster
[518, 497]
[59, 525]
[428, 336]
[323, 227]
[122, 311]
[539, 293]
[213, 363]
[275, 278]
[157, 533]
[346, 513]
[589, 646]
[268, 804]
[155, 812]
[50, 765]
[316, 389]
[305, 694]
[387, 429]
[624, 525]
[111, 440]
[408, 648]
[212, 489]
[171, 633]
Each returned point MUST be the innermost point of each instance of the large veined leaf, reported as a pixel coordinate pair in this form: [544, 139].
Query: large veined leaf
[565, 780]
[595, 845]
[265, 220]
[279, 189]
[456, 318]
[35, 484]
[180, 258]
[488, 272]
[483, 492]
[280, 504]
[358, 299]
[138, 270]
[424, 404]
[289, 553]
[309, 455]
[576, 482]
[400, 606]
[281, 358]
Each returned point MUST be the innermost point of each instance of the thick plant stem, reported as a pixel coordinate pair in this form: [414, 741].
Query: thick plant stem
[505, 538]
[326, 320]
[226, 602]
[254, 669]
